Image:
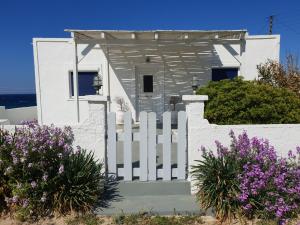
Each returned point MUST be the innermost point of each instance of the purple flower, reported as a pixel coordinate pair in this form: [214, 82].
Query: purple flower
[15, 199]
[61, 142]
[291, 155]
[298, 151]
[243, 144]
[33, 184]
[221, 150]
[25, 203]
[45, 177]
[243, 197]
[78, 150]
[15, 160]
[61, 169]
[247, 207]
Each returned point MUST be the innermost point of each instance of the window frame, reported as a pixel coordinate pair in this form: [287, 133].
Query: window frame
[70, 86]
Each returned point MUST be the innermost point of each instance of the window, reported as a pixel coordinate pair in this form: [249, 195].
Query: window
[148, 83]
[224, 73]
[85, 83]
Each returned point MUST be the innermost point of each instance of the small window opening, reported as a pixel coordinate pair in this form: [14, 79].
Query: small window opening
[85, 83]
[224, 73]
[148, 83]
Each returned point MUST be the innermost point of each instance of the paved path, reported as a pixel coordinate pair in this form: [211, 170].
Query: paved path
[159, 197]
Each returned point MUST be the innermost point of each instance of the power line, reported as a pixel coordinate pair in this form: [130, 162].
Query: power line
[271, 18]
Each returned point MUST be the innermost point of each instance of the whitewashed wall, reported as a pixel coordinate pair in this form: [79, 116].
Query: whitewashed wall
[283, 137]
[17, 115]
[53, 64]
[258, 49]
[178, 63]
[90, 134]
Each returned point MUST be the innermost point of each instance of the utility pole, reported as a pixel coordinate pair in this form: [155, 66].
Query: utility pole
[271, 19]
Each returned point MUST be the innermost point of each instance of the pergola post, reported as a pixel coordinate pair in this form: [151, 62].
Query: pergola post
[108, 79]
[75, 80]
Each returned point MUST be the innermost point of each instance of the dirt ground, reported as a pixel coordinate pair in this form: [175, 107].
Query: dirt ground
[64, 221]
[207, 220]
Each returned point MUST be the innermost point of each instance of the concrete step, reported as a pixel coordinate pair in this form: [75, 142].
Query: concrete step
[154, 188]
[156, 204]
[158, 197]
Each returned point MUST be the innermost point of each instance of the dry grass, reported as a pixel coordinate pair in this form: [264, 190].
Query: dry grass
[139, 219]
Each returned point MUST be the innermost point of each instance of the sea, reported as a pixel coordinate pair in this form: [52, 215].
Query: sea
[17, 100]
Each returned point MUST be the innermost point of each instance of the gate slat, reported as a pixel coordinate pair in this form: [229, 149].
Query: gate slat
[151, 146]
[143, 147]
[181, 151]
[167, 146]
[111, 144]
[127, 147]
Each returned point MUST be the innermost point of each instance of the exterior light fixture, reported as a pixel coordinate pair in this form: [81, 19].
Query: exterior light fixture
[97, 83]
[195, 84]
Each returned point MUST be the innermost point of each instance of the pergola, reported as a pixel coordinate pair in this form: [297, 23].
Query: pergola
[126, 47]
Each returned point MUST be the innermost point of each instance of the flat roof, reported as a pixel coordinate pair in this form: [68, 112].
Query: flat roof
[157, 34]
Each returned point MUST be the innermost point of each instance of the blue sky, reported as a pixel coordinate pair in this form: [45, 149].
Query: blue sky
[21, 20]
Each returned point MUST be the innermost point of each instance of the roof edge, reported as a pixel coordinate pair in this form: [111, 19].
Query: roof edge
[141, 31]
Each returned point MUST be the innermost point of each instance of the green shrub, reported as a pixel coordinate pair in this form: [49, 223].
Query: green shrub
[247, 102]
[216, 180]
[82, 184]
[4, 189]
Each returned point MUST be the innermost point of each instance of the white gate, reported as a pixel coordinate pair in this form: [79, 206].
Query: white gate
[148, 138]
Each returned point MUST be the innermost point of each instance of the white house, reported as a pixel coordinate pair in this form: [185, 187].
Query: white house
[145, 68]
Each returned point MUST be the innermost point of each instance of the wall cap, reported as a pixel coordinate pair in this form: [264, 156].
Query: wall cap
[96, 98]
[194, 98]
[4, 122]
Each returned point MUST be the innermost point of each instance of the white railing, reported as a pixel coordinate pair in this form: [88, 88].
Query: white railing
[148, 140]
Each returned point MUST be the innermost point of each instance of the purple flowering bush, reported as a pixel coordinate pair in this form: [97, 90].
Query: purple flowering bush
[33, 159]
[4, 189]
[258, 184]
[42, 174]
[269, 185]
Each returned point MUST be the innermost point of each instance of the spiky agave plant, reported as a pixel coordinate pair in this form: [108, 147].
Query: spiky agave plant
[82, 183]
[217, 184]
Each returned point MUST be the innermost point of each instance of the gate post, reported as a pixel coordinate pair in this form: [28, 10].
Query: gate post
[194, 105]
[90, 133]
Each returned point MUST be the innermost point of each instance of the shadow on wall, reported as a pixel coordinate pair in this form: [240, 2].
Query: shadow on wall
[174, 62]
